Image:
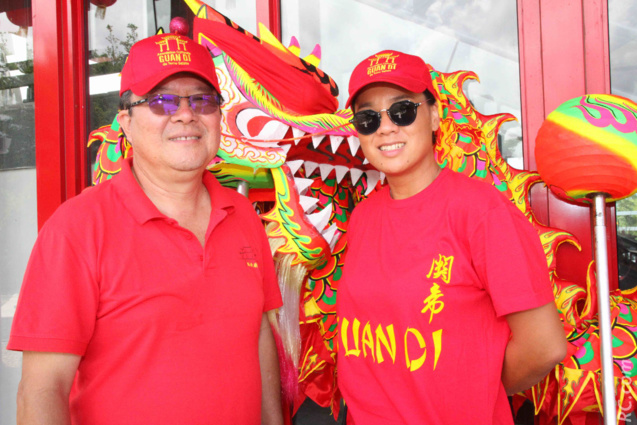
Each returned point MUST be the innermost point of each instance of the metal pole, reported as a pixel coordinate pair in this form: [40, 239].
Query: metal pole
[243, 188]
[603, 304]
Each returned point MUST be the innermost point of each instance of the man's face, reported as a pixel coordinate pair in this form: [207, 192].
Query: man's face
[397, 151]
[184, 141]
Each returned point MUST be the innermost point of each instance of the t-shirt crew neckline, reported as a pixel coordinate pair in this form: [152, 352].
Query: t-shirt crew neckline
[417, 198]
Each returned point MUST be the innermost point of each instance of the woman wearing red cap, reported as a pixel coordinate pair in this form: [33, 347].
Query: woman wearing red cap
[445, 305]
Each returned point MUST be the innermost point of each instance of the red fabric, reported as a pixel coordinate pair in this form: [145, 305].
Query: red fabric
[389, 66]
[167, 330]
[156, 58]
[293, 87]
[447, 360]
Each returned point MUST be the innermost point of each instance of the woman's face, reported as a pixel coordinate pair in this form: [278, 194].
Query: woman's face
[405, 152]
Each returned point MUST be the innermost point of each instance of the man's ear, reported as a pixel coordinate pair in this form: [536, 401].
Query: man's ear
[435, 116]
[124, 118]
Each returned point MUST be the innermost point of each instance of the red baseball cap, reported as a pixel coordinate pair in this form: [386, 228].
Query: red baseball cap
[389, 66]
[156, 58]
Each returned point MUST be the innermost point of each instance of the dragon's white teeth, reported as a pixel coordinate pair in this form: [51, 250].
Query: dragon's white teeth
[320, 219]
[365, 161]
[382, 178]
[302, 184]
[297, 132]
[294, 165]
[340, 172]
[308, 203]
[310, 167]
[316, 140]
[329, 234]
[373, 177]
[325, 169]
[335, 142]
[355, 174]
[286, 148]
[354, 144]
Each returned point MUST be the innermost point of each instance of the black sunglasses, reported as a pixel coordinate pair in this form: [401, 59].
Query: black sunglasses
[400, 113]
[168, 104]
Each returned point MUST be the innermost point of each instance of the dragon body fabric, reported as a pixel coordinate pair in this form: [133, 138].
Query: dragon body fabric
[283, 135]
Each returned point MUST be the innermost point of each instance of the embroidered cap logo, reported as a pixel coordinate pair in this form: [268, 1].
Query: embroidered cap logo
[382, 62]
[180, 56]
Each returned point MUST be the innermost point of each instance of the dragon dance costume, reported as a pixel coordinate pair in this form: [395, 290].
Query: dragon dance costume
[167, 329]
[423, 300]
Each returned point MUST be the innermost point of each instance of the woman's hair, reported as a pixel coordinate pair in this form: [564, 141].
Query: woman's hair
[431, 100]
[429, 97]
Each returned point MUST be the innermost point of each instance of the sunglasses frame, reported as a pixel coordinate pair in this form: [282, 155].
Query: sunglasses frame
[159, 96]
[378, 115]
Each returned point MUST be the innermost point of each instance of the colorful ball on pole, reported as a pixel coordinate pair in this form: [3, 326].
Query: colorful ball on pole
[100, 13]
[20, 17]
[589, 145]
[179, 25]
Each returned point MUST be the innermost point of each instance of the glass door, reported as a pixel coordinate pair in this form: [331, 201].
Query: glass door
[18, 209]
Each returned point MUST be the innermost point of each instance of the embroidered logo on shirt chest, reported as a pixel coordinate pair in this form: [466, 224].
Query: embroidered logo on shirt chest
[248, 254]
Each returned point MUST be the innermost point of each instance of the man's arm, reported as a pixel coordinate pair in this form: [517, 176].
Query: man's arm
[537, 344]
[271, 413]
[43, 393]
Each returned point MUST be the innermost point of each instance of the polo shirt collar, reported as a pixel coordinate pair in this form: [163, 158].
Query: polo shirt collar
[142, 208]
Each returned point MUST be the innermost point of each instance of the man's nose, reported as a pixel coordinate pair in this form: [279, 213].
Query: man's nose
[184, 111]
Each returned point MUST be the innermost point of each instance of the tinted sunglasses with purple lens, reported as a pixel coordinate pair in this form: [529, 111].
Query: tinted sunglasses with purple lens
[168, 104]
[401, 113]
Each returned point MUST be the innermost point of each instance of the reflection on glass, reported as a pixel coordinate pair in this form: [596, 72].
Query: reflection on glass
[622, 25]
[462, 35]
[18, 223]
[17, 134]
[113, 30]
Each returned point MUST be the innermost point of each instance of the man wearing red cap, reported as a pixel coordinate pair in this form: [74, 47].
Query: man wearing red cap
[145, 298]
[445, 306]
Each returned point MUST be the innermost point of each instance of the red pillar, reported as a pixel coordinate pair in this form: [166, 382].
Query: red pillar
[59, 75]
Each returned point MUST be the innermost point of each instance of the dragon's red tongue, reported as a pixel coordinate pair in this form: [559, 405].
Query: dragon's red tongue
[295, 88]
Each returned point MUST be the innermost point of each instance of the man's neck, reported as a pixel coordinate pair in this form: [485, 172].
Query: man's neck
[182, 197]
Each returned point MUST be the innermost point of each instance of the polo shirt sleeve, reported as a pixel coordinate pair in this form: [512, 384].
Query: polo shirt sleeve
[59, 297]
[271, 292]
[510, 261]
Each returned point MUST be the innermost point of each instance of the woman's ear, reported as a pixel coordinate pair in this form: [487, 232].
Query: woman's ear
[435, 116]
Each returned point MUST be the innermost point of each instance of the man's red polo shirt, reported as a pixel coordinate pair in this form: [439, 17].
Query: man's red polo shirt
[167, 329]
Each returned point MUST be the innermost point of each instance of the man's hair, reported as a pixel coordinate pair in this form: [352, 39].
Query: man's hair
[124, 101]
